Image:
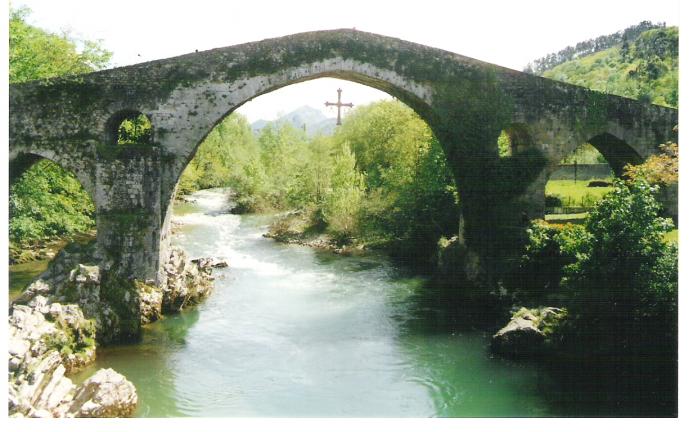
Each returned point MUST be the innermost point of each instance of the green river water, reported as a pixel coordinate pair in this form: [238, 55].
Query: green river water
[290, 331]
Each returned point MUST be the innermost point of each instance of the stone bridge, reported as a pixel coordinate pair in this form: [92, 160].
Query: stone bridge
[73, 121]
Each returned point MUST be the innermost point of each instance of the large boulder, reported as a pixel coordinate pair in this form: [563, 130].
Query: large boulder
[529, 332]
[105, 394]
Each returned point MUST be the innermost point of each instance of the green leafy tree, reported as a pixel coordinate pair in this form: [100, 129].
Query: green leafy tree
[221, 157]
[617, 275]
[135, 130]
[35, 53]
[48, 202]
[625, 270]
[343, 197]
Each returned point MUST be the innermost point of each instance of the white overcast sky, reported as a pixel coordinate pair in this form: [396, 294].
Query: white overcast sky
[507, 33]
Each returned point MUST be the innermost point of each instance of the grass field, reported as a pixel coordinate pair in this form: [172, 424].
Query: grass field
[576, 193]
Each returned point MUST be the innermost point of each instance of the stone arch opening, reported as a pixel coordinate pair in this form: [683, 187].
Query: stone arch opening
[412, 94]
[223, 123]
[50, 208]
[513, 140]
[129, 127]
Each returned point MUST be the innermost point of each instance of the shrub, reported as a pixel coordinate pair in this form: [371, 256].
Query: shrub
[625, 270]
[660, 169]
[553, 201]
[551, 247]
[617, 274]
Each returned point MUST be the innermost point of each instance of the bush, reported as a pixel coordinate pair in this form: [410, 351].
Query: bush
[551, 247]
[625, 269]
[617, 275]
[660, 169]
[553, 201]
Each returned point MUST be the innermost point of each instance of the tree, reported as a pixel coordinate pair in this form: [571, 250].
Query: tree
[36, 54]
[343, 198]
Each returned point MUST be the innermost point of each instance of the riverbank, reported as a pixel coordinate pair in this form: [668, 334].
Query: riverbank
[58, 321]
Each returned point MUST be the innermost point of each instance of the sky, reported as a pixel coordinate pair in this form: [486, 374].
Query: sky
[506, 33]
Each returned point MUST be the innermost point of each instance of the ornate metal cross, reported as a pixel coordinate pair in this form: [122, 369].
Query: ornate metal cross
[339, 106]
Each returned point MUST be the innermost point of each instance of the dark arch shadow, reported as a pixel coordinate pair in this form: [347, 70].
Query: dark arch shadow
[20, 164]
[616, 152]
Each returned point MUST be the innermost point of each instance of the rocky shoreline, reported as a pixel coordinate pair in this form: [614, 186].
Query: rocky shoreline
[58, 321]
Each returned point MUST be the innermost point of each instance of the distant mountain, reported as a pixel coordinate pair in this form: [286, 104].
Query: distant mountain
[313, 119]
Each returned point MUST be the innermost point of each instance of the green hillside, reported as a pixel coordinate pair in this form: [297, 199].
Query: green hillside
[646, 68]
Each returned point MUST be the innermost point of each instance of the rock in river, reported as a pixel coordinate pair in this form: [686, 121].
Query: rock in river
[528, 332]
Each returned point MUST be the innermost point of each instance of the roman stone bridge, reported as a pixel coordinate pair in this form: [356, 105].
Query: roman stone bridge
[73, 121]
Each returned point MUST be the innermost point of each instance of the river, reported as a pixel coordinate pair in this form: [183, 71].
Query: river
[291, 331]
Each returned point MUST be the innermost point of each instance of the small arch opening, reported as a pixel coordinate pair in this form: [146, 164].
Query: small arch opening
[129, 127]
[513, 140]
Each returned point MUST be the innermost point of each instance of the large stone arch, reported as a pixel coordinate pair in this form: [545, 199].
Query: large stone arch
[210, 108]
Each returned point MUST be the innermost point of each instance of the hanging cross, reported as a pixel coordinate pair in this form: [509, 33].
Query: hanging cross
[339, 106]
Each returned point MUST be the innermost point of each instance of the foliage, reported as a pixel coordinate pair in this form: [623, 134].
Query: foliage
[660, 169]
[411, 195]
[550, 248]
[135, 130]
[621, 38]
[646, 69]
[626, 268]
[48, 202]
[617, 275]
[381, 179]
[343, 197]
[36, 54]
[504, 145]
[228, 153]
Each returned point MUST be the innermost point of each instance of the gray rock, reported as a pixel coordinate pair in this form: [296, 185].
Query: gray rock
[528, 332]
[85, 274]
[105, 394]
[187, 282]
